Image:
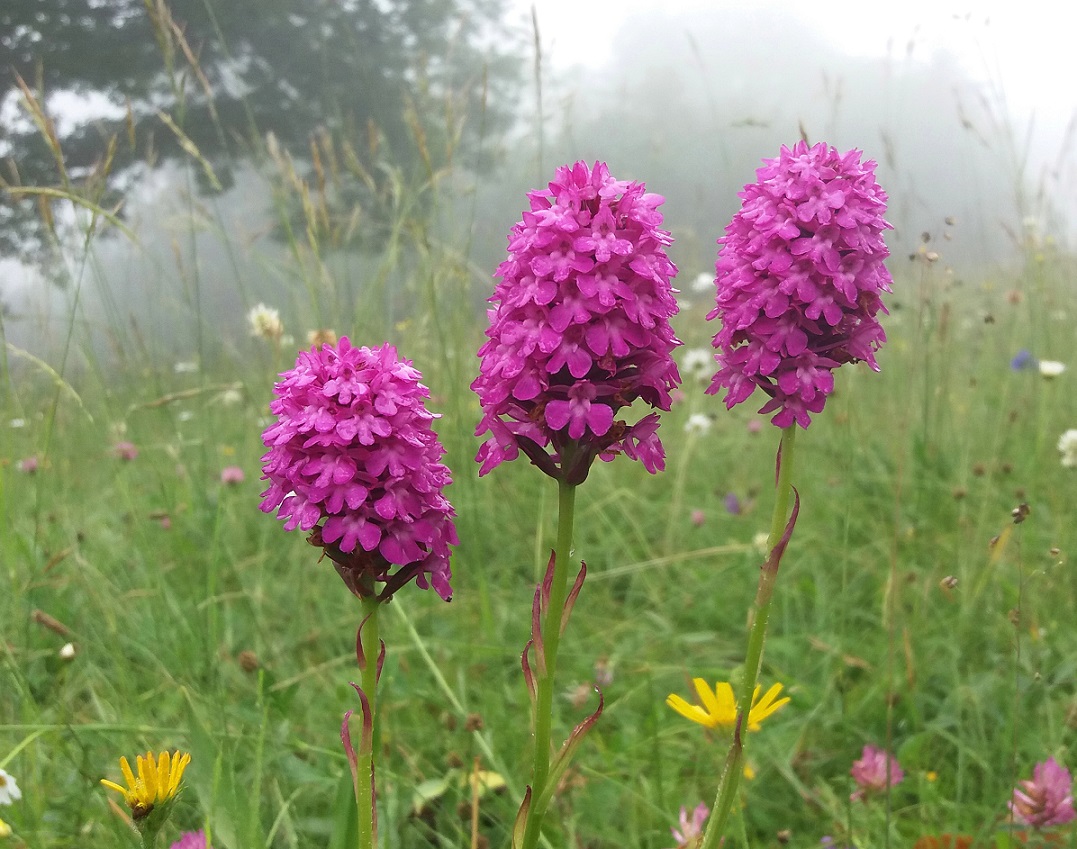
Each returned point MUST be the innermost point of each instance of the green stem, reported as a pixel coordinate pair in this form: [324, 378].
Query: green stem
[364, 785]
[149, 838]
[544, 681]
[757, 634]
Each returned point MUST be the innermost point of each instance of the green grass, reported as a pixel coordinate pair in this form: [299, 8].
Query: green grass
[199, 624]
[905, 479]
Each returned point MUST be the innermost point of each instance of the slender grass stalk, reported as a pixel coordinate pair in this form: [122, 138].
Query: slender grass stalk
[364, 784]
[757, 634]
[551, 637]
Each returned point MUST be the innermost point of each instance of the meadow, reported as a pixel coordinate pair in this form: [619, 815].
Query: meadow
[147, 604]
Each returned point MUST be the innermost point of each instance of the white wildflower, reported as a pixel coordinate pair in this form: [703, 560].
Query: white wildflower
[185, 367]
[697, 364]
[1051, 368]
[1067, 447]
[265, 323]
[230, 397]
[9, 790]
[698, 424]
[704, 282]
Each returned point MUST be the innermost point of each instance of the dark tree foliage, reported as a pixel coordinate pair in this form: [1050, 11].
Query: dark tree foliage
[405, 80]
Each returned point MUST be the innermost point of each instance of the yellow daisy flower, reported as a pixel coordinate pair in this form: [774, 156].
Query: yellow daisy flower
[719, 708]
[157, 781]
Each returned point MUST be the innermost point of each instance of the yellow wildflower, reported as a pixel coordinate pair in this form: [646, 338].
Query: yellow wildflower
[719, 708]
[157, 781]
[5, 829]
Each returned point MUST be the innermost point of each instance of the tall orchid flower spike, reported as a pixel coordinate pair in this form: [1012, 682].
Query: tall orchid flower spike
[580, 329]
[719, 706]
[352, 458]
[799, 278]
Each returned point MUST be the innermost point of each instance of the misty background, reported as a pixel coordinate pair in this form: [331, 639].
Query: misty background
[424, 122]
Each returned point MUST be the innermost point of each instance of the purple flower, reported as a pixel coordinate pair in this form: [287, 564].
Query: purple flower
[232, 475]
[691, 830]
[353, 459]
[876, 770]
[579, 329]
[1023, 360]
[799, 276]
[29, 465]
[732, 503]
[125, 451]
[1045, 800]
[191, 840]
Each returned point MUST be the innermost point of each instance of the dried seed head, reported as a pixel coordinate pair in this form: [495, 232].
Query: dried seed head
[948, 583]
[1020, 512]
[474, 722]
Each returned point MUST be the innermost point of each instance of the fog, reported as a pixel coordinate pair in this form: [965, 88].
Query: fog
[689, 98]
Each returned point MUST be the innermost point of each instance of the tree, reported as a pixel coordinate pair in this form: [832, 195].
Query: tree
[188, 75]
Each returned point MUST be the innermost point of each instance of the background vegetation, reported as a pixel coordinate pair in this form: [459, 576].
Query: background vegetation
[198, 623]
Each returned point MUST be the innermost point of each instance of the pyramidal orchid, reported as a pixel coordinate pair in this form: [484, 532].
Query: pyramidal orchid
[799, 277]
[580, 328]
[352, 459]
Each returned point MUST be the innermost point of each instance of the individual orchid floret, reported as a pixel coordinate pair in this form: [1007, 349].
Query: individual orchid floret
[579, 329]
[874, 772]
[799, 277]
[1047, 799]
[353, 459]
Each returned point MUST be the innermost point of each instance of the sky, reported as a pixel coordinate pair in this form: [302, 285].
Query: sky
[1023, 48]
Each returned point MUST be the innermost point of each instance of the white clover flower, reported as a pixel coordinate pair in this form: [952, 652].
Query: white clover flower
[697, 364]
[1067, 447]
[698, 424]
[17, 423]
[9, 790]
[1051, 368]
[265, 323]
[68, 651]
